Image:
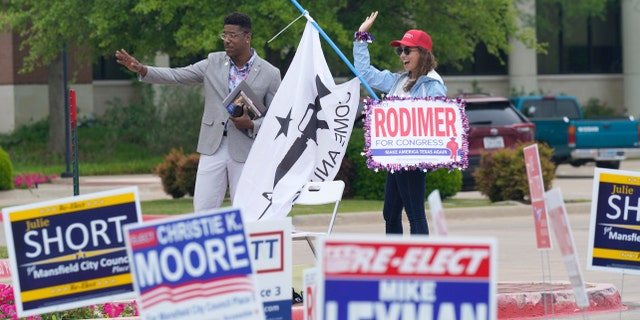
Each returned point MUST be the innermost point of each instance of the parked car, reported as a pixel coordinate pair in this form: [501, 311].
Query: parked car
[575, 140]
[494, 123]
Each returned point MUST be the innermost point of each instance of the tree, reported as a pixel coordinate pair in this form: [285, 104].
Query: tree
[188, 29]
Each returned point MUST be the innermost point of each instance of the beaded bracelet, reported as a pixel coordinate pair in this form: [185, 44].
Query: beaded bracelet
[363, 36]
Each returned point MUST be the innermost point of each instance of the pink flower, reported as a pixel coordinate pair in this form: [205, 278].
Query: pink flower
[31, 180]
[111, 310]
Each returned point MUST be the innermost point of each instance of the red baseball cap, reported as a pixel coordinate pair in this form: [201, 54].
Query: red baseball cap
[414, 38]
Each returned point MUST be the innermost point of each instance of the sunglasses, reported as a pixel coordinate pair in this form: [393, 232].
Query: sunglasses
[406, 50]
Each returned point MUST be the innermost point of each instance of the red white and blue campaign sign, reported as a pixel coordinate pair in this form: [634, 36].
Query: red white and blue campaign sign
[396, 278]
[416, 133]
[194, 267]
[536, 192]
[614, 229]
[270, 248]
[70, 252]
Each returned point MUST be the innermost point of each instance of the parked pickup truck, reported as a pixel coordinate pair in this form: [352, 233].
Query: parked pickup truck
[560, 123]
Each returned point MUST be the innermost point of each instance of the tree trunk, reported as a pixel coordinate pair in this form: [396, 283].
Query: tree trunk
[57, 121]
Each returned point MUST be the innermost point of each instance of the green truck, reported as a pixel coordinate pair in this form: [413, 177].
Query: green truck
[560, 123]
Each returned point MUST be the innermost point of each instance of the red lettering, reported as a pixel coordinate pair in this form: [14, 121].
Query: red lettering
[425, 118]
[439, 122]
[309, 299]
[378, 115]
[405, 122]
[451, 121]
[392, 122]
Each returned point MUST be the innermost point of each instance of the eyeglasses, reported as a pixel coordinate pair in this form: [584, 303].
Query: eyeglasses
[406, 50]
[231, 36]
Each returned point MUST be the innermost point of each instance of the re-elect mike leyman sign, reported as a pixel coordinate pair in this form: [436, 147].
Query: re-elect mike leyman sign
[416, 278]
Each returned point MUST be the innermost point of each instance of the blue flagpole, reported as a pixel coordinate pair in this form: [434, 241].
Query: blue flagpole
[335, 48]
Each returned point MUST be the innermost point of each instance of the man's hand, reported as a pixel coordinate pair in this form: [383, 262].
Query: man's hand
[243, 121]
[368, 22]
[131, 63]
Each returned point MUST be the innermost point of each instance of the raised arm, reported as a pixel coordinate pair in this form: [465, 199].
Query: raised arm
[131, 63]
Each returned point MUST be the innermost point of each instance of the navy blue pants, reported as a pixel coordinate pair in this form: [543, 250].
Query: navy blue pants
[405, 189]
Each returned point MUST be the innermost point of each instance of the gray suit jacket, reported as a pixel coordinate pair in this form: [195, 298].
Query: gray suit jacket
[213, 72]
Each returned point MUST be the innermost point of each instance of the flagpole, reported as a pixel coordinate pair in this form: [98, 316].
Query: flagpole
[335, 48]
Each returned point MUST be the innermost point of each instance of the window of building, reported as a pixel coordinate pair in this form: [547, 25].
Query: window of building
[106, 68]
[484, 64]
[579, 44]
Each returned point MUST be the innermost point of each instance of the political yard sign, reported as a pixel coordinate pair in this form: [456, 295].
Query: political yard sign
[270, 248]
[416, 133]
[70, 252]
[536, 192]
[614, 228]
[194, 267]
[395, 278]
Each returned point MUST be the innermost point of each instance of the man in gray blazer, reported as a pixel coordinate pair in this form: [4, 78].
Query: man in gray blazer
[224, 141]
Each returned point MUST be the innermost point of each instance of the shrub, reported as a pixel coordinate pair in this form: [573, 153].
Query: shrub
[502, 174]
[186, 173]
[594, 109]
[6, 171]
[164, 119]
[447, 182]
[135, 123]
[168, 173]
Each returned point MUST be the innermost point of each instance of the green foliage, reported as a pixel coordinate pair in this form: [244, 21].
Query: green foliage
[6, 171]
[168, 173]
[502, 174]
[130, 138]
[45, 28]
[364, 183]
[549, 10]
[169, 120]
[448, 183]
[187, 29]
[594, 109]
[36, 132]
[28, 143]
[133, 123]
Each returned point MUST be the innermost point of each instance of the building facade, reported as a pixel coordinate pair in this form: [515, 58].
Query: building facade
[597, 58]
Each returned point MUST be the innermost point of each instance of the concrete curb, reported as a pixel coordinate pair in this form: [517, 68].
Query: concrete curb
[354, 218]
[534, 300]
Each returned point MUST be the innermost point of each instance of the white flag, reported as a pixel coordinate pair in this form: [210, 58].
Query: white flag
[303, 136]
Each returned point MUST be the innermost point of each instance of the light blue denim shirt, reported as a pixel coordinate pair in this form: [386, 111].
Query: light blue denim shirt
[430, 85]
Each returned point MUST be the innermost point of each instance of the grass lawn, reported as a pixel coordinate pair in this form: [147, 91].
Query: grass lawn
[185, 205]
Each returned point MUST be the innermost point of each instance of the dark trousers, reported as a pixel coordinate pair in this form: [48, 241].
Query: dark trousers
[405, 189]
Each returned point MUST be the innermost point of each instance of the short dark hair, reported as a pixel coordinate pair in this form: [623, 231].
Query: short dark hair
[238, 19]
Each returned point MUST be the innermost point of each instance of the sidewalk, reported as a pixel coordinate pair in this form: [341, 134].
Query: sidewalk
[149, 188]
[521, 266]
